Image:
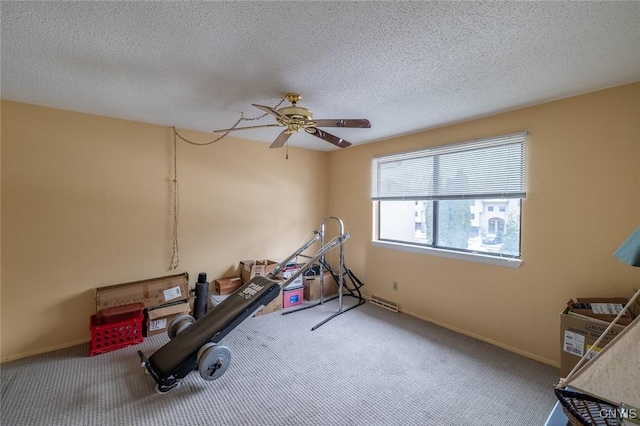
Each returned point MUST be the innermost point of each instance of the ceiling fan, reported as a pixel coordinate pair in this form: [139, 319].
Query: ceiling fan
[295, 118]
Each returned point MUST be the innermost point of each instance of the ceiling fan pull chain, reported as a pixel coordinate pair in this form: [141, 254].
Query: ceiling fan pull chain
[260, 116]
[240, 120]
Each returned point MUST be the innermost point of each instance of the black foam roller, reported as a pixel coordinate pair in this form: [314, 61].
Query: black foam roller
[200, 303]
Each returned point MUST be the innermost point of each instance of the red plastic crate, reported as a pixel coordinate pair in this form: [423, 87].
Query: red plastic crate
[115, 335]
[119, 313]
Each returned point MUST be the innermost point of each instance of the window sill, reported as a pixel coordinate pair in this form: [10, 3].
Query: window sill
[472, 257]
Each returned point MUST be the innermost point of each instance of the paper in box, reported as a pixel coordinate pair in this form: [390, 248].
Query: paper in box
[158, 319]
[287, 272]
[152, 292]
[605, 309]
[251, 268]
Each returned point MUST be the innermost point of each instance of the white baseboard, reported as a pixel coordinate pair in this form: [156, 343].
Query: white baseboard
[529, 355]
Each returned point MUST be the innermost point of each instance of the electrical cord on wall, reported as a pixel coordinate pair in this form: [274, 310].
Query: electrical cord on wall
[175, 251]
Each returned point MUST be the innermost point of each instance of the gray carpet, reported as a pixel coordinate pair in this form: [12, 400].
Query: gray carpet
[367, 366]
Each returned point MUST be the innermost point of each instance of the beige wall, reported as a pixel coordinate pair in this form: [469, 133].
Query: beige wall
[87, 202]
[583, 200]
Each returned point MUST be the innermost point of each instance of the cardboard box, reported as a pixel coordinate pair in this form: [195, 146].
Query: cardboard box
[312, 286]
[227, 285]
[251, 268]
[152, 292]
[292, 297]
[158, 319]
[578, 333]
[605, 309]
[273, 306]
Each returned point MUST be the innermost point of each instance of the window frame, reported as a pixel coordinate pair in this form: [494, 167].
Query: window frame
[511, 261]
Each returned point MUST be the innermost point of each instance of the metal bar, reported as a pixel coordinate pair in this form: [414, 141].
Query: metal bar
[335, 315]
[340, 260]
[343, 269]
[337, 241]
[302, 248]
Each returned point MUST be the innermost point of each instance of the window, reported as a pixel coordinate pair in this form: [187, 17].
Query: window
[443, 200]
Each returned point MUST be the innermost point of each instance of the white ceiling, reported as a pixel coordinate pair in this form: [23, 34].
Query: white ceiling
[406, 66]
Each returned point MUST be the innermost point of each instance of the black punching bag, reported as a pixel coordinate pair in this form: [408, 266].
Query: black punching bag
[202, 293]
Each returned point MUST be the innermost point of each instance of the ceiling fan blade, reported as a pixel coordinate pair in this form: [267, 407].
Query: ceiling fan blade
[281, 139]
[362, 123]
[246, 128]
[339, 142]
[271, 111]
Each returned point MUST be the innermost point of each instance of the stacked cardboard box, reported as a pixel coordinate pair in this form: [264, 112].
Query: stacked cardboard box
[582, 323]
[275, 305]
[158, 319]
[170, 292]
[252, 268]
[227, 285]
[312, 286]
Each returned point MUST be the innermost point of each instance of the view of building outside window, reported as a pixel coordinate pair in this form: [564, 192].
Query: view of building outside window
[484, 226]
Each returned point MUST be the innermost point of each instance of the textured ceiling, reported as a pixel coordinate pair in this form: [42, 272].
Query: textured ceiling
[406, 66]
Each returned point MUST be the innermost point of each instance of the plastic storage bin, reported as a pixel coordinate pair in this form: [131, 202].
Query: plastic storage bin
[119, 313]
[115, 335]
[292, 297]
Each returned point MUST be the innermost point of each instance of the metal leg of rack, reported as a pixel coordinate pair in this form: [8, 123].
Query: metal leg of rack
[342, 270]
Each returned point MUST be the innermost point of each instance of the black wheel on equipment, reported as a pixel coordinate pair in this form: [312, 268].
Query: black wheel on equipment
[213, 361]
[179, 324]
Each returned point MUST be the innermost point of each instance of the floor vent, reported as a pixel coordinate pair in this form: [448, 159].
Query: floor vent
[384, 303]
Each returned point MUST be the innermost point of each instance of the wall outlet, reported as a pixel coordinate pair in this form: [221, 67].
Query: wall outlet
[395, 285]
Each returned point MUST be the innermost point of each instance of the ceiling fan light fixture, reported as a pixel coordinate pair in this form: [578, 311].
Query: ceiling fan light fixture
[296, 113]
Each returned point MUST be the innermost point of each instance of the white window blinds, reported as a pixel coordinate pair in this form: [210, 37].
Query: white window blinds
[486, 168]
